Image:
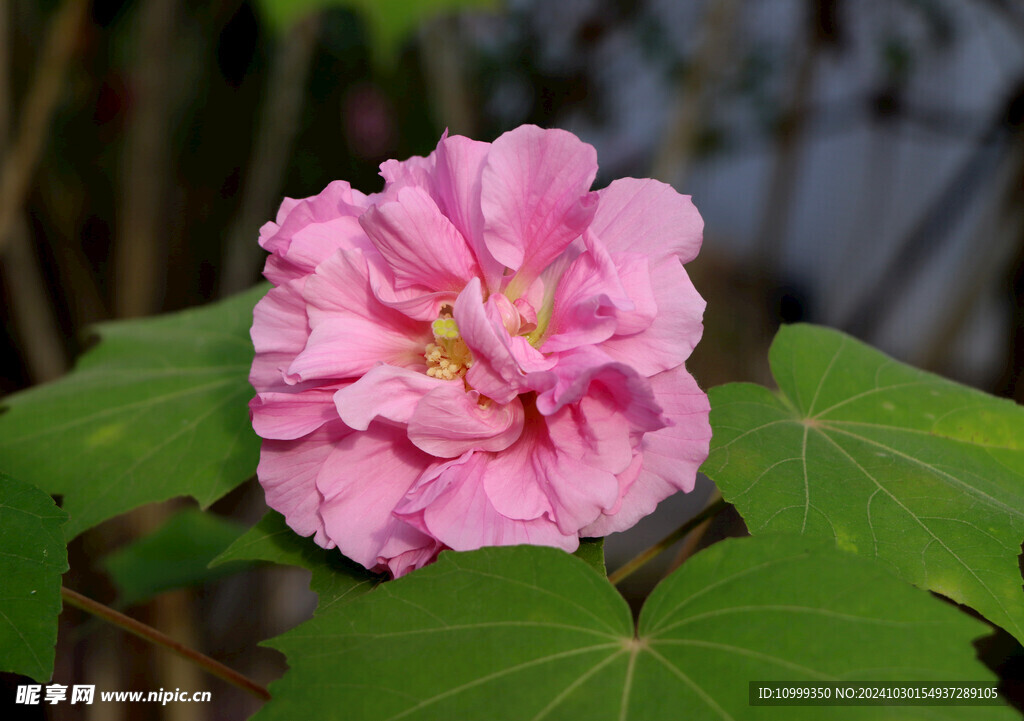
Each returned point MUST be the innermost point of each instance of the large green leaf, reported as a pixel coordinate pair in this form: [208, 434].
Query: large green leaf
[32, 558]
[176, 555]
[157, 409]
[887, 460]
[527, 633]
[334, 578]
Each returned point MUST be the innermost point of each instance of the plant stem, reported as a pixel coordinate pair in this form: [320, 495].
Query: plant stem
[637, 561]
[150, 634]
[693, 540]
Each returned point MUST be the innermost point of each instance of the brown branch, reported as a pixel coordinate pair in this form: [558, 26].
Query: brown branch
[671, 539]
[20, 164]
[31, 310]
[140, 250]
[694, 91]
[280, 115]
[73, 598]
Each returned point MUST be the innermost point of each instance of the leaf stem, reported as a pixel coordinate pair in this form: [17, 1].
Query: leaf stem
[150, 634]
[711, 510]
[693, 540]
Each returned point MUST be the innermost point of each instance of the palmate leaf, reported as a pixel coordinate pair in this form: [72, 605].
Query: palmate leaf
[335, 579]
[157, 409]
[887, 460]
[33, 556]
[176, 555]
[531, 633]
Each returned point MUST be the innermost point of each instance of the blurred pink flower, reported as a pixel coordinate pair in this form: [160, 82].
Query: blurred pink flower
[484, 353]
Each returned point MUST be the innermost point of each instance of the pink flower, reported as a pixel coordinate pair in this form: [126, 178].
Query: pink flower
[484, 353]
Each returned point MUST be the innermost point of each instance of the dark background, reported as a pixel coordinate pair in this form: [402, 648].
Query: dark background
[858, 164]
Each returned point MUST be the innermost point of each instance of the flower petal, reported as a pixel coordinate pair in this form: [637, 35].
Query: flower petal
[594, 432]
[279, 332]
[363, 478]
[421, 246]
[384, 392]
[448, 421]
[406, 549]
[411, 302]
[288, 470]
[351, 330]
[459, 164]
[500, 361]
[340, 348]
[579, 369]
[341, 286]
[675, 330]
[312, 229]
[634, 274]
[534, 196]
[450, 504]
[648, 217]
[671, 456]
[286, 416]
[587, 301]
[547, 475]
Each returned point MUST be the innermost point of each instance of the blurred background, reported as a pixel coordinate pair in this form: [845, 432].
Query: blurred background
[858, 164]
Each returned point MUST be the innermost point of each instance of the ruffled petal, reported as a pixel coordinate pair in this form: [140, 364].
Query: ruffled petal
[671, 456]
[634, 274]
[449, 421]
[547, 473]
[312, 229]
[459, 165]
[421, 245]
[288, 470]
[342, 286]
[407, 549]
[384, 392]
[594, 431]
[577, 370]
[413, 303]
[675, 330]
[500, 361]
[450, 504]
[351, 331]
[648, 217]
[279, 332]
[588, 301]
[415, 171]
[364, 477]
[340, 348]
[535, 197]
[286, 416]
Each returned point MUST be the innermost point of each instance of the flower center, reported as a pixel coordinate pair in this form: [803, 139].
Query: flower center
[447, 357]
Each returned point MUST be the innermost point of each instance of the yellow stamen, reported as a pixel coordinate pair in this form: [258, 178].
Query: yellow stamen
[447, 357]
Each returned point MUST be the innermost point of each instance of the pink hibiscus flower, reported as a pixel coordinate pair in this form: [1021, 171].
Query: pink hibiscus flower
[484, 353]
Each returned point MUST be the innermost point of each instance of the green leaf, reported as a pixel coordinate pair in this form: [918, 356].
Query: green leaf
[591, 552]
[335, 579]
[532, 633]
[157, 409]
[176, 555]
[389, 22]
[33, 556]
[887, 460]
